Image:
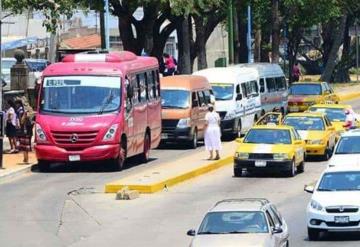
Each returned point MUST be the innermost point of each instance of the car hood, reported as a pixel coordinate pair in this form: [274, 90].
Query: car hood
[264, 148]
[311, 134]
[232, 240]
[344, 159]
[303, 98]
[337, 198]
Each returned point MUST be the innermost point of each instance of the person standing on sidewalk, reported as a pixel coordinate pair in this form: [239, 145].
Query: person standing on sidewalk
[212, 132]
[296, 72]
[10, 125]
[170, 65]
[26, 126]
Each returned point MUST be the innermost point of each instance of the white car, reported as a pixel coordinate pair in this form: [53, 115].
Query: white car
[335, 202]
[242, 222]
[347, 150]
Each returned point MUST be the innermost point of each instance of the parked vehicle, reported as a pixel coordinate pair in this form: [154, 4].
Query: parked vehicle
[242, 222]
[302, 95]
[184, 101]
[334, 205]
[97, 107]
[347, 150]
[237, 97]
[272, 84]
[270, 148]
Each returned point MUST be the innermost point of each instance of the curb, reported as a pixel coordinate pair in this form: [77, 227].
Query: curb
[349, 96]
[14, 173]
[160, 185]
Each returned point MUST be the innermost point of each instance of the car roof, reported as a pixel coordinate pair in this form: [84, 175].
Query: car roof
[306, 114]
[273, 127]
[338, 106]
[242, 204]
[354, 132]
[343, 168]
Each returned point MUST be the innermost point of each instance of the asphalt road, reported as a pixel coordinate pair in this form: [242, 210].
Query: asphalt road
[66, 207]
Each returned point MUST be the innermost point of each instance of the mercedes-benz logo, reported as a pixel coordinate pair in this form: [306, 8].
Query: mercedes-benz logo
[74, 138]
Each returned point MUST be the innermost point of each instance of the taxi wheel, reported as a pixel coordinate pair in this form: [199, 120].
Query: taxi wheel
[292, 169]
[238, 172]
[327, 154]
[301, 167]
[313, 234]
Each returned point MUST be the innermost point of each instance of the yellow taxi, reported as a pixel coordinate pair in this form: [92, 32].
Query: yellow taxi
[335, 113]
[302, 95]
[270, 147]
[317, 131]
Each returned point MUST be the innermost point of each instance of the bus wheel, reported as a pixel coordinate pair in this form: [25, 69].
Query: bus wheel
[194, 140]
[44, 166]
[145, 156]
[119, 162]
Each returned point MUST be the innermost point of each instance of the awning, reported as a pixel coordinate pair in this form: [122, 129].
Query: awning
[18, 43]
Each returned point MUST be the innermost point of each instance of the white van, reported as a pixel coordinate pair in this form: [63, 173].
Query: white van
[272, 83]
[237, 97]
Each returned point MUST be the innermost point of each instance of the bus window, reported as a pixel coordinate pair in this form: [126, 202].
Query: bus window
[270, 84]
[142, 87]
[207, 96]
[150, 85]
[134, 85]
[262, 85]
[280, 83]
[201, 98]
[157, 84]
[194, 100]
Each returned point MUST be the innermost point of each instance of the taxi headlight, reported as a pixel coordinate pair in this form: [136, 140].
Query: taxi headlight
[229, 115]
[316, 142]
[242, 156]
[184, 123]
[315, 205]
[281, 156]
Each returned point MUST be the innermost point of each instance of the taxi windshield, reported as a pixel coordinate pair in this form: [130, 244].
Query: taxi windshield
[268, 136]
[340, 181]
[223, 91]
[305, 89]
[80, 94]
[230, 222]
[334, 114]
[305, 123]
[348, 145]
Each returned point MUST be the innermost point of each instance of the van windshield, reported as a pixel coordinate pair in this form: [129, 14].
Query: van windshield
[80, 94]
[223, 91]
[175, 98]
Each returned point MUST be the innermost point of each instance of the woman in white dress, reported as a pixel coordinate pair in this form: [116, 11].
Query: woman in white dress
[212, 132]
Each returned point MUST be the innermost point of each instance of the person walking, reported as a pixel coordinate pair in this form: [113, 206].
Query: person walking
[26, 126]
[296, 72]
[170, 65]
[10, 125]
[212, 132]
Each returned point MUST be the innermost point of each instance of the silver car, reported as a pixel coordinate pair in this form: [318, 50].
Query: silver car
[242, 222]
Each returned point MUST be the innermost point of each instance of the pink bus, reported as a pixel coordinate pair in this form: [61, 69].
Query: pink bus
[102, 106]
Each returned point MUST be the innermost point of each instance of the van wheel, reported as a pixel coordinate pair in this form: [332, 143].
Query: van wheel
[194, 140]
[44, 166]
[238, 129]
[145, 156]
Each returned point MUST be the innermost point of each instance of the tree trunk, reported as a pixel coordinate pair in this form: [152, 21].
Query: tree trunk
[293, 48]
[200, 41]
[257, 50]
[184, 63]
[331, 62]
[243, 49]
[275, 32]
[236, 38]
[265, 41]
[102, 29]
[127, 35]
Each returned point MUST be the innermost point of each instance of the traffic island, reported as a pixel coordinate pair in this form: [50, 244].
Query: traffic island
[171, 173]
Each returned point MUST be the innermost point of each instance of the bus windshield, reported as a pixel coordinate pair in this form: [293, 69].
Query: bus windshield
[223, 91]
[80, 94]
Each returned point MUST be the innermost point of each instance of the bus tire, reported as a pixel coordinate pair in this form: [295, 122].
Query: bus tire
[145, 156]
[194, 140]
[119, 162]
[43, 166]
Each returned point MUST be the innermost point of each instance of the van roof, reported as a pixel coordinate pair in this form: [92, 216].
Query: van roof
[261, 68]
[227, 74]
[189, 82]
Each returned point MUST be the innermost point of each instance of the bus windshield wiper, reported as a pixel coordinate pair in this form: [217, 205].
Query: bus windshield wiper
[106, 103]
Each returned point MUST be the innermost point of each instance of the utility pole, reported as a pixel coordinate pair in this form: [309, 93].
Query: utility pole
[230, 17]
[357, 50]
[1, 97]
[249, 36]
[107, 28]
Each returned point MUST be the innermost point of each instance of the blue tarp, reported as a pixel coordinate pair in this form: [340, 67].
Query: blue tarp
[18, 43]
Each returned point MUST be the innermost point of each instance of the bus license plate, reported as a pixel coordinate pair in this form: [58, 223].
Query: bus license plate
[341, 219]
[74, 157]
[260, 163]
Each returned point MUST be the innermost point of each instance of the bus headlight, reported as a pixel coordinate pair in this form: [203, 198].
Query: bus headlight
[184, 123]
[110, 134]
[40, 134]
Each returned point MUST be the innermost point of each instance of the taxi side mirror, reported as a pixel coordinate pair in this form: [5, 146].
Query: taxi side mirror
[331, 128]
[239, 140]
[298, 142]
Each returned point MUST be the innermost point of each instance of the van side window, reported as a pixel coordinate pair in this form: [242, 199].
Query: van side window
[262, 85]
[270, 84]
[280, 85]
[244, 91]
[254, 87]
[207, 96]
[142, 87]
[194, 100]
[201, 98]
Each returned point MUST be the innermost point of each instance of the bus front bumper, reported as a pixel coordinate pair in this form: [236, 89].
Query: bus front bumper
[94, 153]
